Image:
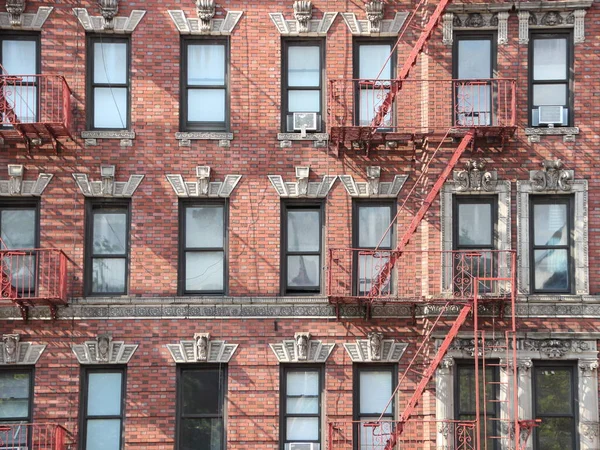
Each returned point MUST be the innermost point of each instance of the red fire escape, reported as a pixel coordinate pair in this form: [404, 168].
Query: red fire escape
[39, 436]
[453, 285]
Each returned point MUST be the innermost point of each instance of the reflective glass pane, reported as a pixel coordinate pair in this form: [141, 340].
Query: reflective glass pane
[206, 105]
[104, 394]
[18, 228]
[303, 271]
[304, 65]
[303, 405]
[302, 429]
[373, 222]
[204, 271]
[14, 395]
[110, 108]
[474, 59]
[108, 275]
[103, 434]
[204, 226]
[473, 105]
[206, 65]
[20, 58]
[375, 392]
[551, 269]
[302, 383]
[110, 62]
[110, 233]
[556, 433]
[201, 391]
[554, 390]
[23, 101]
[550, 94]
[550, 59]
[550, 224]
[304, 101]
[201, 434]
[475, 224]
[369, 267]
[370, 102]
[303, 231]
[371, 60]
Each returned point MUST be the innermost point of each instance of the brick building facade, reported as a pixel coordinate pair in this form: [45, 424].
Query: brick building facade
[207, 296]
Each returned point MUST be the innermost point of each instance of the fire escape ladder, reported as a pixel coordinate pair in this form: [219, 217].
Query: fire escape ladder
[408, 65]
[384, 274]
[428, 374]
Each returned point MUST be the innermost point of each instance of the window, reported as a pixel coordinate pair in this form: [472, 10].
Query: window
[19, 229]
[302, 244]
[205, 97]
[302, 81]
[475, 229]
[551, 242]
[203, 240]
[301, 405]
[551, 78]
[474, 59]
[373, 60]
[373, 389]
[20, 55]
[107, 249]
[103, 403]
[465, 403]
[370, 231]
[555, 401]
[200, 415]
[108, 83]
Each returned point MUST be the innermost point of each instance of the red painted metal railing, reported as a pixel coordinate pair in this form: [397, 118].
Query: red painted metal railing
[418, 275]
[423, 107]
[36, 436]
[418, 434]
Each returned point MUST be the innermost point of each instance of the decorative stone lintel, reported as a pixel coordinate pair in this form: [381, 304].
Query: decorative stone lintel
[302, 349]
[185, 138]
[118, 25]
[13, 351]
[568, 133]
[202, 349]
[375, 349]
[472, 16]
[475, 177]
[314, 27]
[125, 137]
[25, 21]
[556, 14]
[207, 27]
[552, 178]
[302, 187]
[366, 189]
[387, 27]
[104, 350]
[203, 187]
[107, 186]
[319, 140]
[16, 187]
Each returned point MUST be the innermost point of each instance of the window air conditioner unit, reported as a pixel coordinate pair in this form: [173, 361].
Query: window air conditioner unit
[305, 121]
[302, 446]
[550, 115]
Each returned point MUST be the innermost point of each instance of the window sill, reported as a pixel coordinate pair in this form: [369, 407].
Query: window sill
[534, 134]
[320, 139]
[185, 138]
[91, 137]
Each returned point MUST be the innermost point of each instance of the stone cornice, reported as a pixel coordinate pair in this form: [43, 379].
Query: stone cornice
[567, 5]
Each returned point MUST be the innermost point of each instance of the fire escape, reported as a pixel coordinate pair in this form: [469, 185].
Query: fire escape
[454, 286]
[38, 436]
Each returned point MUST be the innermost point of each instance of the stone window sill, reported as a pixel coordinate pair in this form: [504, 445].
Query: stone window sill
[535, 134]
[124, 136]
[319, 139]
[185, 138]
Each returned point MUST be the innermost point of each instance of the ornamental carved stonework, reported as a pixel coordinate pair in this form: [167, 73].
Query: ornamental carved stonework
[15, 8]
[551, 19]
[103, 345]
[303, 14]
[206, 11]
[11, 346]
[551, 348]
[109, 9]
[302, 340]
[374, 11]
[587, 367]
[201, 348]
[375, 345]
[474, 20]
[553, 177]
[475, 177]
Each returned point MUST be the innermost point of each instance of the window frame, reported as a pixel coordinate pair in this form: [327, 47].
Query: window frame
[569, 81]
[84, 397]
[286, 206]
[356, 205]
[30, 370]
[93, 205]
[366, 41]
[286, 43]
[571, 366]
[184, 124]
[27, 36]
[183, 205]
[570, 246]
[474, 199]
[283, 415]
[92, 39]
[23, 204]
[223, 375]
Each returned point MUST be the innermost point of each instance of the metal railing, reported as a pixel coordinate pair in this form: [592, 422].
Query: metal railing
[33, 436]
[420, 275]
[423, 106]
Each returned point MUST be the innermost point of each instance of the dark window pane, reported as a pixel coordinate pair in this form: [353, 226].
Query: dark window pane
[466, 390]
[371, 60]
[550, 224]
[201, 390]
[204, 227]
[474, 58]
[551, 269]
[14, 395]
[110, 233]
[373, 222]
[206, 65]
[303, 231]
[303, 270]
[555, 433]
[18, 228]
[304, 65]
[550, 59]
[554, 391]
[475, 224]
[201, 434]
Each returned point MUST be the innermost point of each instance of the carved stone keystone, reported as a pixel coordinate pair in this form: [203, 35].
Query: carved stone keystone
[109, 9]
[15, 8]
[201, 347]
[11, 346]
[374, 11]
[303, 13]
[103, 342]
[475, 177]
[375, 345]
[302, 340]
[206, 12]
